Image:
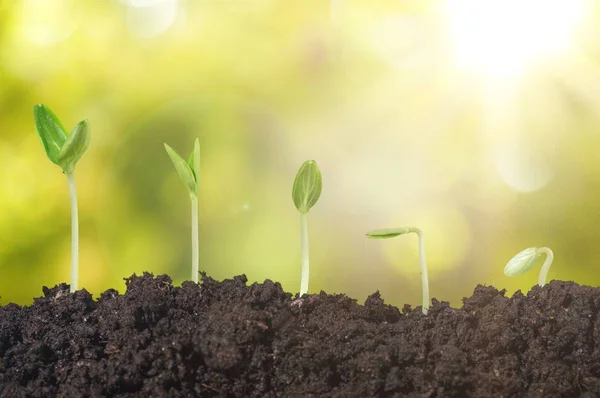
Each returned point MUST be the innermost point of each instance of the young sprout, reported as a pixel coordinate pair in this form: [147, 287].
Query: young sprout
[64, 150]
[189, 172]
[387, 233]
[305, 193]
[526, 259]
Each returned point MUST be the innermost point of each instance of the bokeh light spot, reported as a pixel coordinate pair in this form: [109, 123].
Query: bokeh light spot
[523, 169]
[49, 22]
[150, 18]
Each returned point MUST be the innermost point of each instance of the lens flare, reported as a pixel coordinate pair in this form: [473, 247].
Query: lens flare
[503, 37]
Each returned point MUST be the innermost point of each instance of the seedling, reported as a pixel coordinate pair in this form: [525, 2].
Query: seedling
[189, 172]
[305, 193]
[526, 259]
[387, 233]
[64, 150]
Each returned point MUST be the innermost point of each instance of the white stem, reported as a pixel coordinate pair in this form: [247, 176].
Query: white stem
[424, 276]
[74, 235]
[195, 249]
[304, 250]
[546, 266]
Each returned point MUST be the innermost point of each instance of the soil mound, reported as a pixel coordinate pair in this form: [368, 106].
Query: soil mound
[228, 339]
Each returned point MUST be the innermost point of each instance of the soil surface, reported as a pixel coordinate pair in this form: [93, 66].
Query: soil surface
[228, 339]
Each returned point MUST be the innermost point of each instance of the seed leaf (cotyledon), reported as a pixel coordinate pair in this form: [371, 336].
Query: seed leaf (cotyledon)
[522, 262]
[526, 259]
[74, 147]
[387, 233]
[50, 130]
[307, 187]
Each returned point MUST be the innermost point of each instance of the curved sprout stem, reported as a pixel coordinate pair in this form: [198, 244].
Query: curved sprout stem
[195, 249]
[387, 233]
[74, 235]
[546, 266]
[423, 265]
[304, 250]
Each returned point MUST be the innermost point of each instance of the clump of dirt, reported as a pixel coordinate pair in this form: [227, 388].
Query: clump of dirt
[228, 339]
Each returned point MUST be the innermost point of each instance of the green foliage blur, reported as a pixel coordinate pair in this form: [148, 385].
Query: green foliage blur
[485, 165]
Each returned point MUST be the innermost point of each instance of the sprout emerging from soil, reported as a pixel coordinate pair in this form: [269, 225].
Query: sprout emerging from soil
[189, 172]
[387, 233]
[526, 259]
[64, 150]
[305, 193]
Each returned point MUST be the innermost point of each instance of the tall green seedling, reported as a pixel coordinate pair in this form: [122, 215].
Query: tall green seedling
[189, 172]
[64, 150]
[387, 233]
[305, 193]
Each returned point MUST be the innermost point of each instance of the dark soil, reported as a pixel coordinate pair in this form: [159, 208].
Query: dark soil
[228, 339]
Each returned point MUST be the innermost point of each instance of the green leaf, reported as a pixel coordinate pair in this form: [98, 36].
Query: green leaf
[74, 147]
[194, 162]
[387, 233]
[50, 130]
[183, 170]
[307, 186]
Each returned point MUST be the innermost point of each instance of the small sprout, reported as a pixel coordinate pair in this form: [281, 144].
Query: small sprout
[387, 233]
[64, 150]
[526, 259]
[189, 172]
[305, 194]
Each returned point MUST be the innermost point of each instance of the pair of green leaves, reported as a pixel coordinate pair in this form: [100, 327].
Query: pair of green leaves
[62, 149]
[307, 186]
[189, 171]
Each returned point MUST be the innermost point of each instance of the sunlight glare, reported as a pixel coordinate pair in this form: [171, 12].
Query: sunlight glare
[503, 37]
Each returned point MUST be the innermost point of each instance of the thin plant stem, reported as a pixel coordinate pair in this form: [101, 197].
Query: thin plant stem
[546, 266]
[304, 250]
[195, 249]
[424, 277]
[74, 235]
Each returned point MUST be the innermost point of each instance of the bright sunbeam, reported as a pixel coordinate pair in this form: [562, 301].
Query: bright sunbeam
[503, 37]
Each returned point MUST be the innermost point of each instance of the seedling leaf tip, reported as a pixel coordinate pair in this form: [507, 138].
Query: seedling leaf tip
[194, 162]
[184, 169]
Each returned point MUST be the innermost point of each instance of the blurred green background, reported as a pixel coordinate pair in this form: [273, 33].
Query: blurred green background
[477, 124]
